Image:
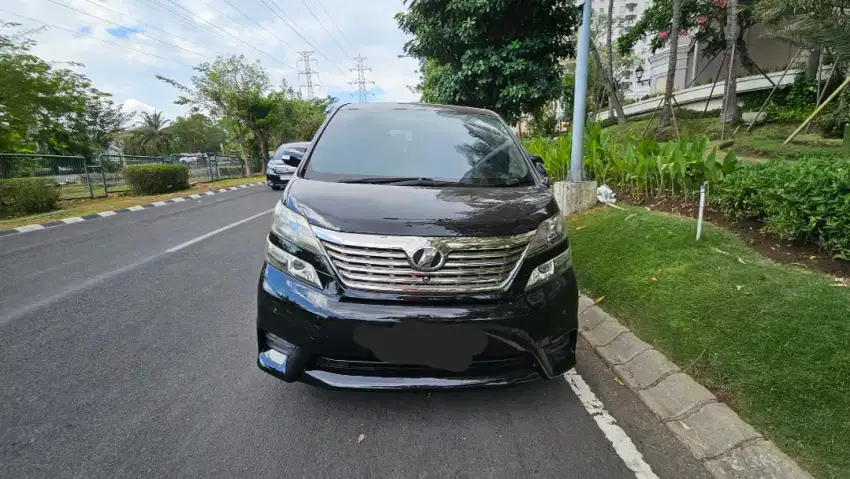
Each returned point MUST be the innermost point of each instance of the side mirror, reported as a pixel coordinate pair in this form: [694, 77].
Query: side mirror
[541, 169]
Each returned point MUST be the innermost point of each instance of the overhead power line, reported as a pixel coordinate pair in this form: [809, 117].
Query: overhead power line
[307, 60]
[157, 2]
[249, 18]
[291, 27]
[326, 29]
[98, 39]
[148, 25]
[335, 24]
[141, 33]
[361, 82]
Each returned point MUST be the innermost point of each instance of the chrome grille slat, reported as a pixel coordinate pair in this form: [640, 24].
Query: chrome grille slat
[368, 252]
[381, 263]
[412, 272]
[369, 261]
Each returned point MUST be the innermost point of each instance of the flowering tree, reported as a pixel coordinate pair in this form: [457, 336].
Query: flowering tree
[704, 20]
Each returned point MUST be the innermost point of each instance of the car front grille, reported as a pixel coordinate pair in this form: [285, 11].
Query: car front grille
[471, 264]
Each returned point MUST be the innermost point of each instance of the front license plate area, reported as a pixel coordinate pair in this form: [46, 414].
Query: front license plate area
[449, 347]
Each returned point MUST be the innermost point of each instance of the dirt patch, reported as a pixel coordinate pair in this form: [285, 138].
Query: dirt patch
[795, 253]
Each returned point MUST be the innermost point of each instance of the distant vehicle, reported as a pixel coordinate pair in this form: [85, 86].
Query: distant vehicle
[284, 162]
[417, 246]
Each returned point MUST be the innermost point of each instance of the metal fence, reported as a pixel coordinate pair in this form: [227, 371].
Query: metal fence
[74, 177]
[77, 178]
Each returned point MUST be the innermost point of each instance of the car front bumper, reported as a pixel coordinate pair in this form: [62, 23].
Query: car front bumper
[274, 179]
[305, 335]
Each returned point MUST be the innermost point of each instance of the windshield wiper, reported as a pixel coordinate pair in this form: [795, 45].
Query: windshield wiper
[404, 181]
[513, 182]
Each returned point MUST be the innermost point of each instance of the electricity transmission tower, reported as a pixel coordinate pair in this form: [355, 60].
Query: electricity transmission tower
[361, 82]
[309, 86]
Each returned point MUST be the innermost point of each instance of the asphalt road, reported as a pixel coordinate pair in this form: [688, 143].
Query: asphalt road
[121, 356]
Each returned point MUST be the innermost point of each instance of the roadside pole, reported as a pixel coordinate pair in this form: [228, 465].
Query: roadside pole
[580, 94]
[576, 194]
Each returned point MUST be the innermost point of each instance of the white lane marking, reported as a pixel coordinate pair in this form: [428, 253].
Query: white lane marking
[209, 193]
[195, 196]
[107, 213]
[215, 232]
[75, 219]
[177, 200]
[82, 285]
[623, 445]
[159, 203]
[24, 229]
[136, 208]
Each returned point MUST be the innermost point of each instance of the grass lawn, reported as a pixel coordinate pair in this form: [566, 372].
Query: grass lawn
[763, 142]
[87, 206]
[772, 341]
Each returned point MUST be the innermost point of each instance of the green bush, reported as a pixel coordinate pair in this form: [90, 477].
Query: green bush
[156, 179]
[644, 166]
[805, 200]
[24, 196]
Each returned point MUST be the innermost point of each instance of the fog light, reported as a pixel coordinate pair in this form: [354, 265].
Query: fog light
[274, 359]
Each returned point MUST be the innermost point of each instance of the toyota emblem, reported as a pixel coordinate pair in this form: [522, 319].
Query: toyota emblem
[427, 259]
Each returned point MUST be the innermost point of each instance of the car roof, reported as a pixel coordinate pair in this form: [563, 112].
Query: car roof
[415, 106]
[302, 144]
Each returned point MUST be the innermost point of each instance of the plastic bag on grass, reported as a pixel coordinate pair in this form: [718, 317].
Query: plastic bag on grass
[606, 195]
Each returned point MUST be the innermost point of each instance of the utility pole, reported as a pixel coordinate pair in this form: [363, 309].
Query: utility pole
[361, 82]
[309, 85]
[580, 94]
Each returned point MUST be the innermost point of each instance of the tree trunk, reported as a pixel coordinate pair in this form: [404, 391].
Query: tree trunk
[812, 64]
[609, 44]
[609, 84]
[675, 28]
[729, 110]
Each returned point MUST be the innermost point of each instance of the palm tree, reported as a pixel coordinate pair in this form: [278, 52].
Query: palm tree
[664, 119]
[154, 134]
[821, 24]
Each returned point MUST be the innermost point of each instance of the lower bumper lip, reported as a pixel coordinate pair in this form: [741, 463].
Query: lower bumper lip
[525, 339]
[343, 381]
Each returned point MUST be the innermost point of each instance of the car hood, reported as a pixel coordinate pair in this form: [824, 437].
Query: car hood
[421, 211]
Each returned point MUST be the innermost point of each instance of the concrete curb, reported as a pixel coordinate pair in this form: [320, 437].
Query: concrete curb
[104, 214]
[727, 446]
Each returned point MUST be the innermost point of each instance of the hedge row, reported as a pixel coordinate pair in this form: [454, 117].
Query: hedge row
[806, 200]
[25, 196]
[156, 179]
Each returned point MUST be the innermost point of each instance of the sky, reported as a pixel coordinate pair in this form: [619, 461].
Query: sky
[124, 44]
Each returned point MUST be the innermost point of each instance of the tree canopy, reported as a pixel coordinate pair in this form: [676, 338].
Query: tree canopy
[48, 109]
[704, 20]
[498, 54]
[239, 92]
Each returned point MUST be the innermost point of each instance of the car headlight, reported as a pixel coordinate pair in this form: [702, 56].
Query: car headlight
[555, 266]
[549, 233]
[293, 227]
[291, 265]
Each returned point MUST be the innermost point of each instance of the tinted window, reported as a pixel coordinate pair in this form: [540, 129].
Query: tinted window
[417, 143]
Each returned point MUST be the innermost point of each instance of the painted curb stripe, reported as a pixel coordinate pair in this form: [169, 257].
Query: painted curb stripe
[104, 214]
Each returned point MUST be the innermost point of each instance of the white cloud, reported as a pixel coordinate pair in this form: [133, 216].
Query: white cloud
[135, 106]
[129, 73]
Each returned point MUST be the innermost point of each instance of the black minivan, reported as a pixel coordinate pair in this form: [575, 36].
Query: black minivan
[417, 246]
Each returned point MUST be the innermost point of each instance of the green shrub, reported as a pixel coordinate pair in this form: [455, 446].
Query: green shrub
[644, 166]
[805, 200]
[156, 179]
[24, 196]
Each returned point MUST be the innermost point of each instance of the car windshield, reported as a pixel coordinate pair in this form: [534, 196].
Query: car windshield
[402, 145]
